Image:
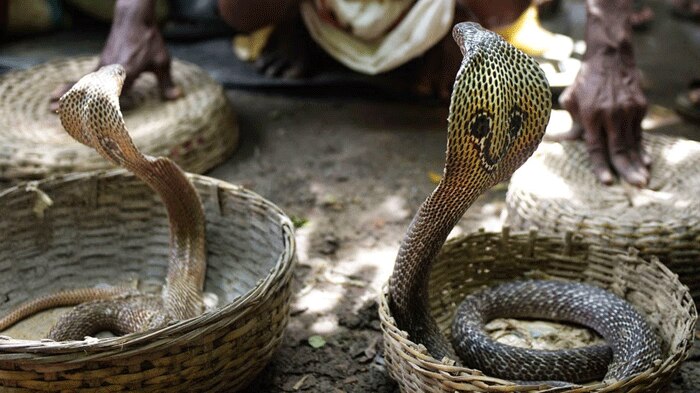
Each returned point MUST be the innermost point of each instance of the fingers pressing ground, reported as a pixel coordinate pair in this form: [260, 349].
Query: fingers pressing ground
[619, 149]
[628, 171]
[601, 170]
[168, 89]
[632, 133]
[568, 101]
[638, 135]
[593, 135]
[57, 94]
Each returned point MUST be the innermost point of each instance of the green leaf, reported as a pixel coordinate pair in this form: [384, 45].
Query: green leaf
[316, 341]
[298, 221]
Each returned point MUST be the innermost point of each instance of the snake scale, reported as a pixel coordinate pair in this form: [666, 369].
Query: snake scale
[90, 113]
[499, 109]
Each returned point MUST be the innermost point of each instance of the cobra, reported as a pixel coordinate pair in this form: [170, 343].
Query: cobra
[499, 109]
[90, 113]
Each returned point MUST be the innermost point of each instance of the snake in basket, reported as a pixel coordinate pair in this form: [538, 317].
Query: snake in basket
[91, 114]
[499, 109]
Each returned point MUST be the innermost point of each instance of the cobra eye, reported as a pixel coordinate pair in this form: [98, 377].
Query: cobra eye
[517, 118]
[480, 125]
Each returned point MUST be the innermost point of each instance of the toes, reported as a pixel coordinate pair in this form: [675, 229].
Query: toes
[601, 168]
[294, 71]
[276, 68]
[630, 171]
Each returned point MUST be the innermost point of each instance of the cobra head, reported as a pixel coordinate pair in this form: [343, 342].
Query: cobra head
[499, 109]
[97, 91]
[90, 112]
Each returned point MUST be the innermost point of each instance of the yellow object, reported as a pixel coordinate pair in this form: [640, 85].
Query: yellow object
[528, 35]
[248, 47]
[434, 177]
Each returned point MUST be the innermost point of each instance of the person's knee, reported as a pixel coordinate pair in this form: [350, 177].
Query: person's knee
[250, 15]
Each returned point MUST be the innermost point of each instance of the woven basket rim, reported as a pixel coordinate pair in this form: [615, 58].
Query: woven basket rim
[449, 372]
[205, 132]
[240, 306]
[521, 197]
[77, 58]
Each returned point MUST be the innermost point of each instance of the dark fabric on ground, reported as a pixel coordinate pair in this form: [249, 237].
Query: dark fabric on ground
[215, 55]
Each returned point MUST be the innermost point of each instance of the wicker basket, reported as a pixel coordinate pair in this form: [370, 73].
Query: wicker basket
[660, 221]
[467, 263]
[108, 227]
[198, 131]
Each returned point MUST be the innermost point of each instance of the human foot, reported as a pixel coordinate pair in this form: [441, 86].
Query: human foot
[687, 9]
[287, 54]
[688, 102]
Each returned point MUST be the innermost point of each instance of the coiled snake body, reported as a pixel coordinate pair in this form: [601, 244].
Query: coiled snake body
[91, 114]
[498, 112]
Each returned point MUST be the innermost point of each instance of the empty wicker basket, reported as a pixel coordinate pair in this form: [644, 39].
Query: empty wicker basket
[108, 227]
[198, 131]
[467, 263]
[662, 220]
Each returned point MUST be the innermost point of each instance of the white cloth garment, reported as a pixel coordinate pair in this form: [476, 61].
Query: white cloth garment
[365, 40]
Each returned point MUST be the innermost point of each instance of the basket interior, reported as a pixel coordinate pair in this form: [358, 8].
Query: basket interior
[471, 262]
[112, 229]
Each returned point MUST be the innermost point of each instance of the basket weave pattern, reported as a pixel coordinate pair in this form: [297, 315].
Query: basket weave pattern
[467, 263]
[108, 227]
[555, 191]
[198, 131]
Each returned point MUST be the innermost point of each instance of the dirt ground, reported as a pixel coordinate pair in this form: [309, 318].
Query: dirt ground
[355, 181]
[354, 173]
[351, 170]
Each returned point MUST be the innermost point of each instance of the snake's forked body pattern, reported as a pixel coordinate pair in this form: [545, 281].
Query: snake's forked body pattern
[91, 114]
[499, 109]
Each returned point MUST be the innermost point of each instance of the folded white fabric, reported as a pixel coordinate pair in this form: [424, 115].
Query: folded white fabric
[375, 36]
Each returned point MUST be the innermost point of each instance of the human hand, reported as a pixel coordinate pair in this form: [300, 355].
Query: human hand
[136, 43]
[607, 102]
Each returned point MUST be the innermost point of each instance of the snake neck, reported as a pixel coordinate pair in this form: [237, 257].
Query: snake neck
[182, 294]
[408, 285]
[90, 113]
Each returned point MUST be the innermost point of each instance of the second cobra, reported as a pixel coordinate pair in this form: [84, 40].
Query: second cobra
[498, 113]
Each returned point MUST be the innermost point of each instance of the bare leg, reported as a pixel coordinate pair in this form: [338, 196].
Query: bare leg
[494, 13]
[249, 15]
